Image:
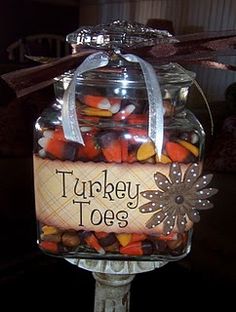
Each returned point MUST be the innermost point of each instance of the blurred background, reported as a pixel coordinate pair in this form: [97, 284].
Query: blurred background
[20, 19]
[39, 27]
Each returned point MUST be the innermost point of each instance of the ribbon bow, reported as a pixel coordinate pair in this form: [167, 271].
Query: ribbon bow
[100, 59]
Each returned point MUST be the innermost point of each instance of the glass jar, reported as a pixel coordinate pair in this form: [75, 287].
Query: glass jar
[117, 197]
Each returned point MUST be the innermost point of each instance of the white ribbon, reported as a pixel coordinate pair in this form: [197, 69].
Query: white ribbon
[155, 125]
[156, 112]
[70, 122]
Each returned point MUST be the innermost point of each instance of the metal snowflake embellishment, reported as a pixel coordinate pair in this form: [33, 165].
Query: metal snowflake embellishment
[178, 199]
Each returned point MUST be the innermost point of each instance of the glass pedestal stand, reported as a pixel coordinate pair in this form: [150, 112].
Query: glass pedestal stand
[113, 281]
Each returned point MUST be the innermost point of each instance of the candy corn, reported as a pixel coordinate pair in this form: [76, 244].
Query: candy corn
[111, 147]
[90, 150]
[137, 119]
[124, 238]
[138, 237]
[112, 153]
[50, 230]
[146, 150]
[49, 246]
[163, 159]
[97, 101]
[92, 242]
[137, 248]
[124, 113]
[177, 152]
[91, 111]
[56, 145]
[192, 148]
[115, 105]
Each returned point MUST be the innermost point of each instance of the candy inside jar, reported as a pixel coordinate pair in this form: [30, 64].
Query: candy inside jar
[114, 196]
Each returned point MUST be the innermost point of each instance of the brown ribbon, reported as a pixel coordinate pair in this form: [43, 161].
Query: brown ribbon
[201, 48]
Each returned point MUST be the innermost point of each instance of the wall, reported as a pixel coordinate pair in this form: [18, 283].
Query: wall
[187, 15]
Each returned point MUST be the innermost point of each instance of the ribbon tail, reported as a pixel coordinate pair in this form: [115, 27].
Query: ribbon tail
[156, 112]
[211, 64]
[70, 122]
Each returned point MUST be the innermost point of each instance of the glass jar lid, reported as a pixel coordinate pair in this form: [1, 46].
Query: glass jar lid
[112, 38]
[118, 34]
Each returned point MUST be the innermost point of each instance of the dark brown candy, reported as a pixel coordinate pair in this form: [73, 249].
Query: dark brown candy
[160, 246]
[106, 239]
[106, 139]
[114, 248]
[70, 239]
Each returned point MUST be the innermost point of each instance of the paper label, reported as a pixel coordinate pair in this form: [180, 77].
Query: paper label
[94, 196]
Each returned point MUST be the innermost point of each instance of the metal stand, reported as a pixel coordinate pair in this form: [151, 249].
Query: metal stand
[113, 281]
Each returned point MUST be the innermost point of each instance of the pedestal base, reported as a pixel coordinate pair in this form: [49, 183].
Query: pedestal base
[112, 292]
[117, 267]
[113, 281]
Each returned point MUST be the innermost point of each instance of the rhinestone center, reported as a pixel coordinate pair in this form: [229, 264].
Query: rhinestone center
[179, 199]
